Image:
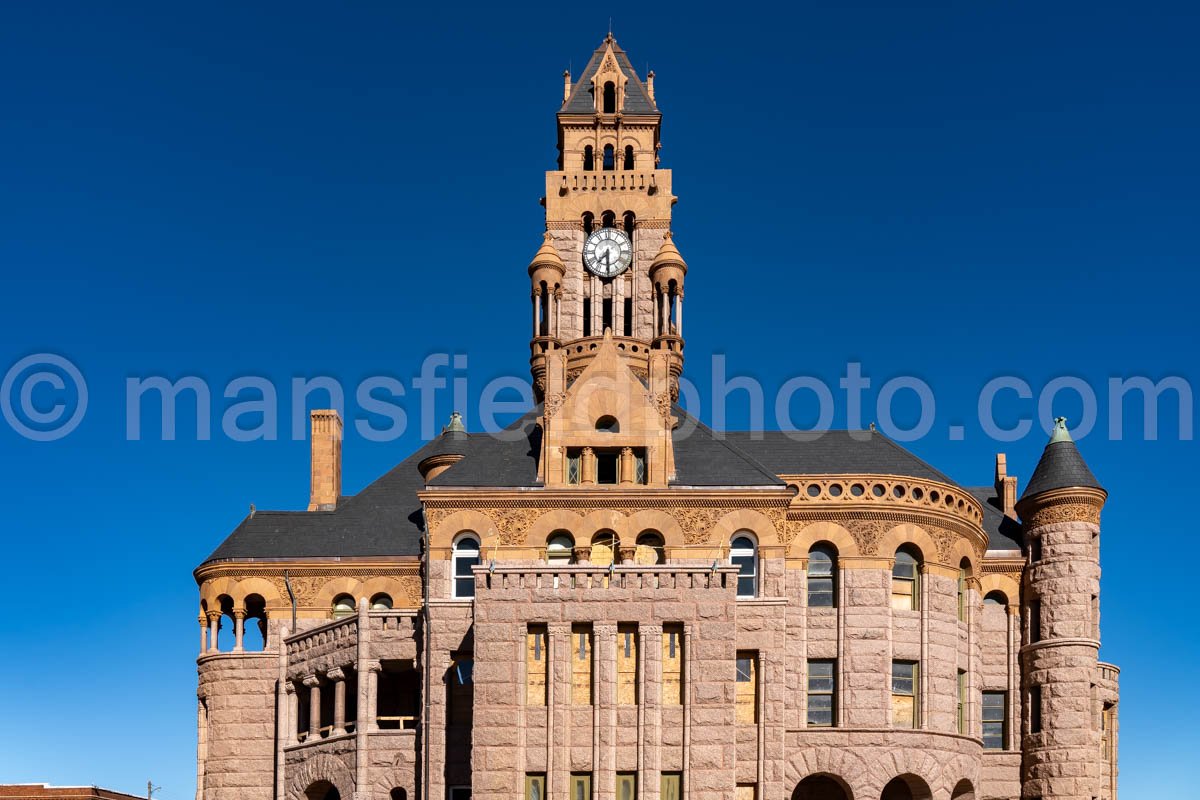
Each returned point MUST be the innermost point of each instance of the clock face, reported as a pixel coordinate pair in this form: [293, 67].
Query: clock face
[607, 252]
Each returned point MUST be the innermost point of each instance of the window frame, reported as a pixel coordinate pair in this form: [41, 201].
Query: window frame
[914, 692]
[748, 568]
[1002, 721]
[831, 693]
[459, 581]
[827, 550]
[911, 585]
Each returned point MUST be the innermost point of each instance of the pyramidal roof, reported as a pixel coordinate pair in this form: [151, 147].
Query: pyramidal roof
[1061, 466]
[582, 101]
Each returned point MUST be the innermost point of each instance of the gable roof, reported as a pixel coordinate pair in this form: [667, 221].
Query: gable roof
[582, 101]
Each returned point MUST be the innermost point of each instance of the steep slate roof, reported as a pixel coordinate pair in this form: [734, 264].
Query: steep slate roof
[1061, 466]
[384, 519]
[581, 99]
[1003, 532]
[833, 453]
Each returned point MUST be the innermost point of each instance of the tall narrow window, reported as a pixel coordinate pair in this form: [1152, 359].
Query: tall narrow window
[904, 694]
[627, 319]
[628, 164]
[746, 686]
[536, 659]
[743, 554]
[1035, 709]
[962, 701]
[535, 786]
[606, 314]
[581, 786]
[963, 569]
[1035, 621]
[822, 693]
[626, 786]
[573, 466]
[610, 98]
[581, 665]
[671, 786]
[672, 665]
[589, 158]
[461, 680]
[466, 556]
[610, 159]
[822, 564]
[995, 720]
[1107, 722]
[639, 465]
[587, 316]
[906, 578]
[607, 467]
[627, 664]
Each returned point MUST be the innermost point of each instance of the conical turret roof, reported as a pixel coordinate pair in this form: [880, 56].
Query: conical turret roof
[1061, 466]
[547, 256]
[668, 255]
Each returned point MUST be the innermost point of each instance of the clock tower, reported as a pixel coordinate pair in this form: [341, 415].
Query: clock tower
[607, 264]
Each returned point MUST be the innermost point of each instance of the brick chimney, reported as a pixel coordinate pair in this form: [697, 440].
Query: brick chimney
[1006, 486]
[326, 440]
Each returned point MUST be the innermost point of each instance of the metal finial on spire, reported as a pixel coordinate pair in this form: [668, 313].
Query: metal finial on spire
[456, 424]
[1060, 432]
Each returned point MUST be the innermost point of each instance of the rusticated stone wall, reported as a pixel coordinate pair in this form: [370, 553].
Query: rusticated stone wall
[238, 693]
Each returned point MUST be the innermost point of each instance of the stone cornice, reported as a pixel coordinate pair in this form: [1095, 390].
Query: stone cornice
[1075, 504]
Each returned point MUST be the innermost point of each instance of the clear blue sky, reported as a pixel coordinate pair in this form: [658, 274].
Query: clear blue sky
[949, 191]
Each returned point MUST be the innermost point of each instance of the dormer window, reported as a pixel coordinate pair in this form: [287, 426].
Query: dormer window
[610, 98]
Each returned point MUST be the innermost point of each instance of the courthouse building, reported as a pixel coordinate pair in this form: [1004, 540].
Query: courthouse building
[613, 601]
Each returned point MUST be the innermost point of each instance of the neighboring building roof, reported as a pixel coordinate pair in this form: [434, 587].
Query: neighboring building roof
[1061, 465]
[41, 791]
[582, 101]
[1003, 532]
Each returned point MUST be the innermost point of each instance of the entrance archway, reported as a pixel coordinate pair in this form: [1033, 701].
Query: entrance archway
[906, 787]
[821, 787]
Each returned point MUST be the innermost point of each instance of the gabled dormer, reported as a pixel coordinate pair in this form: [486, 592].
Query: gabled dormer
[608, 428]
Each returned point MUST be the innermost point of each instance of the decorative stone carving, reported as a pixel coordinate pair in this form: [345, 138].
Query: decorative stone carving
[1064, 512]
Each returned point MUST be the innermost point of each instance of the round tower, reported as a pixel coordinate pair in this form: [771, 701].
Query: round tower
[1060, 513]
[667, 272]
[546, 277]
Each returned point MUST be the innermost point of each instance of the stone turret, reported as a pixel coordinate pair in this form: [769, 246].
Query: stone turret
[1060, 512]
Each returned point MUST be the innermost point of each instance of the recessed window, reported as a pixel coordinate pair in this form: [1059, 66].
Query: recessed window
[573, 467]
[822, 693]
[822, 560]
[381, 602]
[904, 694]
[607, 464]
[1035, 709]
[560, 548]
[744, 555]
[466, 556]
[746, 687]
[343, 606]
[607, 424]
[906, 595]
[995, 720]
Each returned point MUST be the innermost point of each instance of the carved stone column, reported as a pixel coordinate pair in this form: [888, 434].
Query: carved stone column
[314, 706]
[203, 634]
[338, 676]
[293, 712]
[626, 467]
[372, 710]
[239, 628]
[214, 629]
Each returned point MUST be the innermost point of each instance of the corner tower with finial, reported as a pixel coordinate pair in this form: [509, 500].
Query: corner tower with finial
[607, 262]
[1063, 692]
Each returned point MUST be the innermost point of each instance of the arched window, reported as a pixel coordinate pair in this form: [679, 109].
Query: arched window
[607, 424]
[589, 222]
[610, 98]
[589, 158]
[996, 598]
[964, 572]
[226, 627]
[628, 157]
[560, 548]
[610, 158]
[398, 794]
[254, 626]
[343, 606]
[822, 574]
[744, 555]
[604, 548]
[608, 220]
[381, 602]
[650, 548]
[466, 556]
[906, 579]
[629, 220]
